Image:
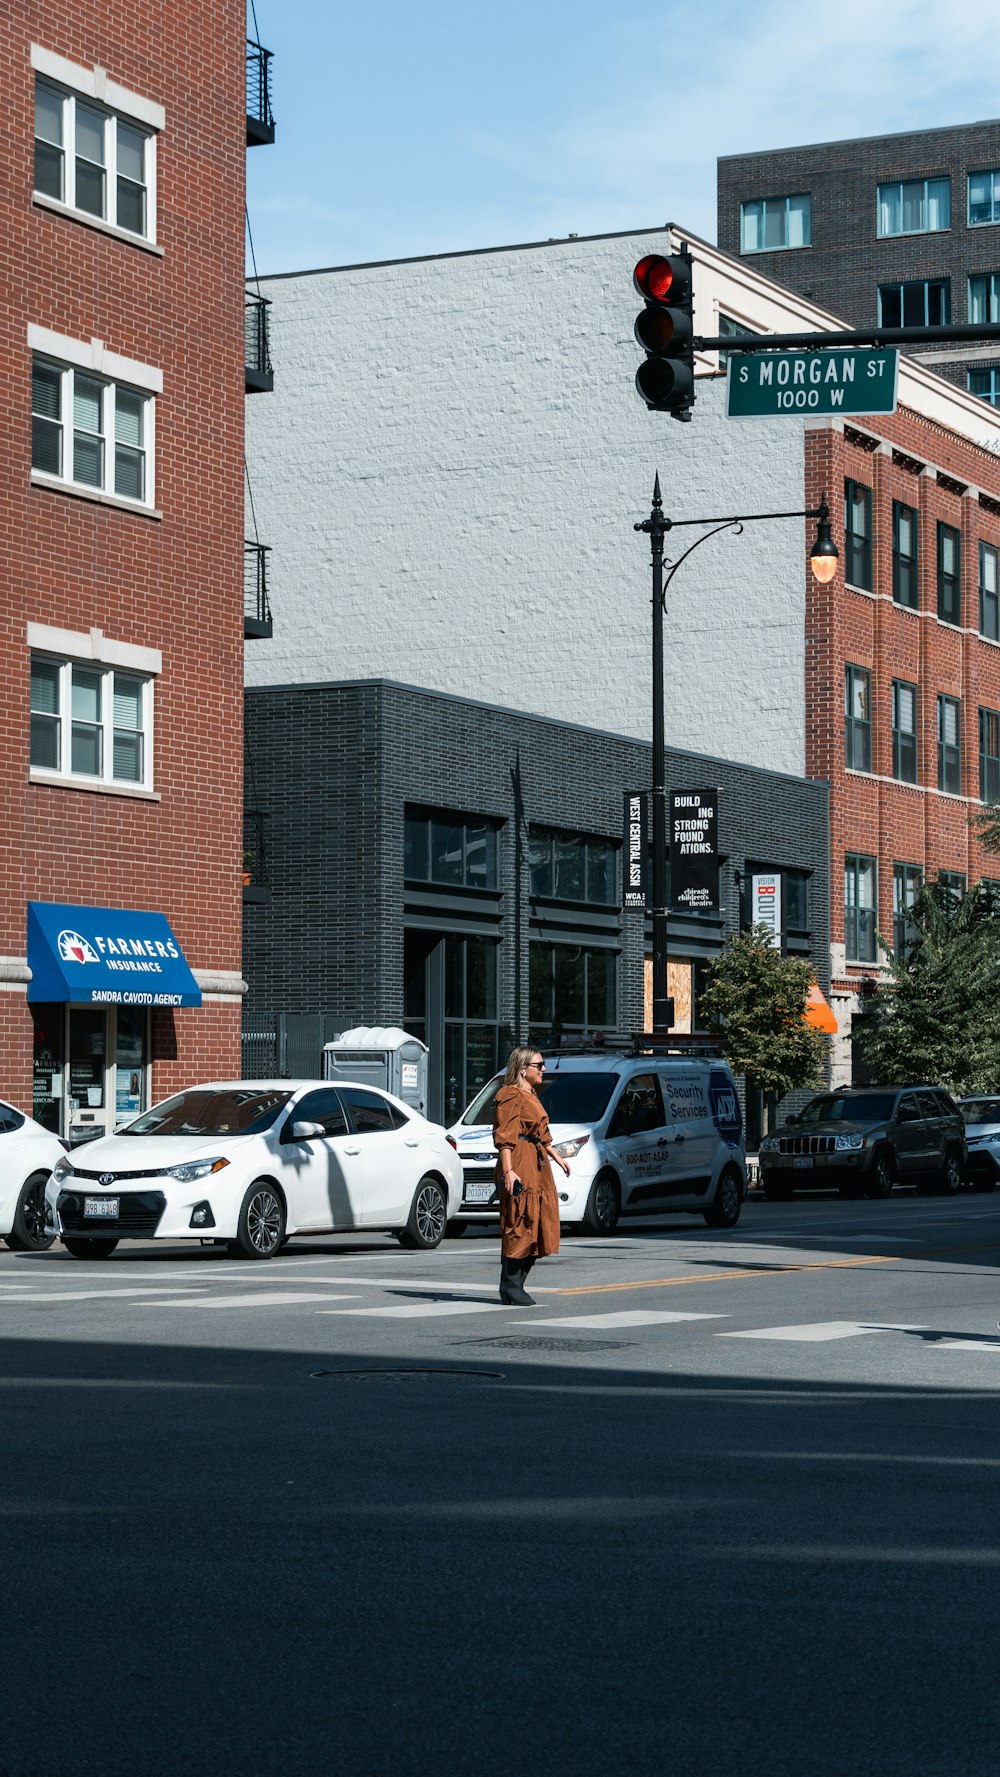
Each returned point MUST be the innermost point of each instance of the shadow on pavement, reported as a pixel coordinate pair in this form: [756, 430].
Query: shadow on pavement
[220, 1562]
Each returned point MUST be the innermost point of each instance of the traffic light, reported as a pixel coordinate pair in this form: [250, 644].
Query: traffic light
[665, 331]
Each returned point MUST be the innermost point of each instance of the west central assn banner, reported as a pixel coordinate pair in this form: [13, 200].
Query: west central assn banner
[693, 825]
[636, 835]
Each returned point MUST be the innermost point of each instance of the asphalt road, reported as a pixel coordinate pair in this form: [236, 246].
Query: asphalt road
[720, 1503]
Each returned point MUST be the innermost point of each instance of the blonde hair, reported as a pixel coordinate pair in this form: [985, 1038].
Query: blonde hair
[517, 1061]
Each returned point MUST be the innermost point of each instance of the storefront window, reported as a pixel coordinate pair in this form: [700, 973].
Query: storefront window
[572, 867]
[455, 850]
[571, 988]
[47, 1079]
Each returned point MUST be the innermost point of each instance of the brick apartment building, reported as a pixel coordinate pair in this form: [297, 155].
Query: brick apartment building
[122, 186]
[902, 676]
[900, 230]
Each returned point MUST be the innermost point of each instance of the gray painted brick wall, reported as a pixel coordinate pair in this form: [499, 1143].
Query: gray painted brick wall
[448, 472]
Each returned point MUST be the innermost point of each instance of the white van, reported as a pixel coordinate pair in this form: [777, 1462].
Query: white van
[645, 1132]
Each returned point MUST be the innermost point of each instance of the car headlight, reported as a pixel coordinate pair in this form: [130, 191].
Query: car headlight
[62, 1169]
[568, 1150]
[769, 1145]
[849, 1143]
[190, 1170]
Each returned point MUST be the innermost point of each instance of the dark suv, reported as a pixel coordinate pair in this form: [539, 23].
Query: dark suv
[864, 1140]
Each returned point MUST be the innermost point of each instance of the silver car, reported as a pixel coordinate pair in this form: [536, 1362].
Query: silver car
[981, 1116]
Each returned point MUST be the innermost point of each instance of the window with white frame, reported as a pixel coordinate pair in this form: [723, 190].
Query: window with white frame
[770, 223]
[984, 196]
[89, 430]
[859, 908]
[92, 160]
[984, 380]
[90, 722]
[914, 206]
[984, 297]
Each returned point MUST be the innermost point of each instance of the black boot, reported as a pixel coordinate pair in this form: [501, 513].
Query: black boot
[512, 1291]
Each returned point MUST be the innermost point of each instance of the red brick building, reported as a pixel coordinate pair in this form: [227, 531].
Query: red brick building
[122, 179]
[902, 675]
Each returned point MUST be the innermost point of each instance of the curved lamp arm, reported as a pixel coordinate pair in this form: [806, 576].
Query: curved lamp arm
[729, 524]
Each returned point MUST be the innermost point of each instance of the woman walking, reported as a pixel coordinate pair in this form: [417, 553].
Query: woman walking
[529, 1207]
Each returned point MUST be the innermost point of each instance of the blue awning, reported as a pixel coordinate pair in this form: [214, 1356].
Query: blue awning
[106, 956]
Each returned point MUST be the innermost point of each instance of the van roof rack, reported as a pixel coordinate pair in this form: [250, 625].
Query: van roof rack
[638, 1042]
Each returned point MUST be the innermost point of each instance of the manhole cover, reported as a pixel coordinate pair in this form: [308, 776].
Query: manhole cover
[540, 1343]
[395, 1375]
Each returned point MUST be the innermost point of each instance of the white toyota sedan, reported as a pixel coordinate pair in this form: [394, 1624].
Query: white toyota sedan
[252, 1162]
[27, 1155]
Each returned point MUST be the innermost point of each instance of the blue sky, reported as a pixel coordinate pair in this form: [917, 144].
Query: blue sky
[428, 127]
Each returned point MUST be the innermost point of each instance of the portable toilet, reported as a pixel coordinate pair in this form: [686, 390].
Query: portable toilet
[382, 1056]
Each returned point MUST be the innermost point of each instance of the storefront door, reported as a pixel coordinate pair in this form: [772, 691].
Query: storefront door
[91, 1068]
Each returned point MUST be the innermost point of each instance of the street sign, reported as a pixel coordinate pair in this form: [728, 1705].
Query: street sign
[768, 383]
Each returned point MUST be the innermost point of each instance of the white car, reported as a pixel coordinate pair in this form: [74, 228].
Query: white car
[27, 1155]
[251, 1162]
[643, 1131]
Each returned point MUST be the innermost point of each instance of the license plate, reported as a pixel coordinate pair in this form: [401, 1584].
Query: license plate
[479, 1193]
[802, 1160]
[101, 1208]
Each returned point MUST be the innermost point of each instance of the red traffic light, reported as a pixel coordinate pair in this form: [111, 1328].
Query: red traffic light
[662, 280]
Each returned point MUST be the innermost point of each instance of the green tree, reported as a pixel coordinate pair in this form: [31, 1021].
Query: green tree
[937, 1018]
[755, 1000]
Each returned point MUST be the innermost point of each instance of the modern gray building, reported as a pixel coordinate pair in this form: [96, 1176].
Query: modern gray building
[900, 230]
[456, 867]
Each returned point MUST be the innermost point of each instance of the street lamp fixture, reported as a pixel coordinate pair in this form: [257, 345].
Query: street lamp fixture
[824, 555]
[823, 561]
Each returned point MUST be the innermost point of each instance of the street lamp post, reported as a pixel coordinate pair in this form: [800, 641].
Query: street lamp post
[823, 559]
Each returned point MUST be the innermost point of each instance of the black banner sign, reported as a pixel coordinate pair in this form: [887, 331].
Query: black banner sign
[636, 847]
[693, 826]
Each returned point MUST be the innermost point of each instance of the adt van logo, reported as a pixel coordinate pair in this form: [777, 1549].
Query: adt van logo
[725, 1108]
[74, 949]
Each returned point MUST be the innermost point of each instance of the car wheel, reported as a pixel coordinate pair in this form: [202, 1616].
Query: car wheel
[776, 1190]
[260, 1231]
[28, 1233]
[603, 1207]
[82, 1248]
[951, 1176]
[724, 1211]
[883, 1177]
[455, 1229]
[428, 1218]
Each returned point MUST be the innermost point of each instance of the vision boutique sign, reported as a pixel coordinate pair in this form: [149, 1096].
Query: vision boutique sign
[693, 827]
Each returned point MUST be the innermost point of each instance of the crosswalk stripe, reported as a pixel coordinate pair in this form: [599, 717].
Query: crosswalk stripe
[273, 1299]
[818, 1332]
[424, 1310]
[152, 1289]
[968, 1345]
[622, 1317]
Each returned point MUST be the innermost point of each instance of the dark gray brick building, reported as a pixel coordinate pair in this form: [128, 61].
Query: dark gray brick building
[901, 229]
[421, 859]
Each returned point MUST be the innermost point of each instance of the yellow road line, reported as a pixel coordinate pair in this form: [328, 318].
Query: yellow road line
[660, 1283]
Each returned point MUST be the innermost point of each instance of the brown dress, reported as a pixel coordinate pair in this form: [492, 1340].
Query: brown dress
[529, 1222]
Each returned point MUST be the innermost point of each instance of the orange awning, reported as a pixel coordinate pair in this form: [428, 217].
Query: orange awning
[818, 1012]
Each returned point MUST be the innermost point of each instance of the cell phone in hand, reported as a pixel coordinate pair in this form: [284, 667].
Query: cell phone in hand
[517, 1188]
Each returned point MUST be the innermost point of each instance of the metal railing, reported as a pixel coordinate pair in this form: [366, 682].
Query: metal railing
[257, 342]
[257, 620]
[260, 117]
